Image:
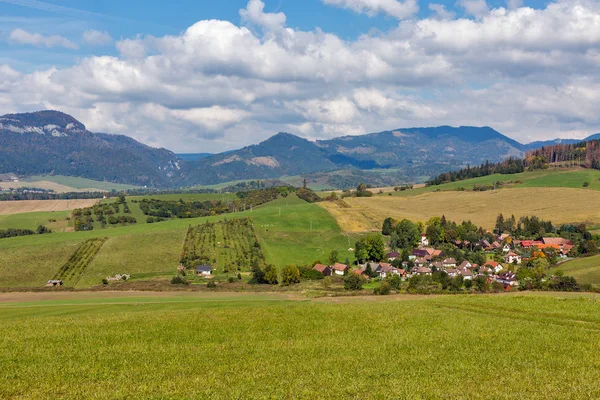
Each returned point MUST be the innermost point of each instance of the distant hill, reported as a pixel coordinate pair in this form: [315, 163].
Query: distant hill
[539, 144]
[54, 143]
[51, 142]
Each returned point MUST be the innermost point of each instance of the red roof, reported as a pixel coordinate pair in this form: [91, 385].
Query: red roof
[339, 267]
[531, 243]
[320, 267]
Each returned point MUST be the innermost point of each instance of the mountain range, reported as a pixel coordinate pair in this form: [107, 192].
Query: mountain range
[51, 142]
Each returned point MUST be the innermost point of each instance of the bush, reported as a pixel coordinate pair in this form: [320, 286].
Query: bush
[384, 289]
[353, 282]
[271, 275]
[327, 281]
[290, 275]
[239, 276]
[307, 272]
[104, 281]
[211, 284]
[179, 280]
[231, 279]
[586, 184]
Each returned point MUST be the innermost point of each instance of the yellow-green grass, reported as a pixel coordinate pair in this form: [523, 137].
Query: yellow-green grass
[573, 178]
[186, 346]
[186, 197]
[585, 270]
[77, 183]
[150, 250]
[560, 205]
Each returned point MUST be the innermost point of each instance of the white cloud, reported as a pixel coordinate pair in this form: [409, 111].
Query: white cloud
[96, 38]
[441, 12]
[19, 36]
[254, 14]
[394, 8]
[530, 73]
[476, 8]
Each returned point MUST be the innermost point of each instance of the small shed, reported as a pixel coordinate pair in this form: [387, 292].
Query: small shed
[203, 270]
[54, 282]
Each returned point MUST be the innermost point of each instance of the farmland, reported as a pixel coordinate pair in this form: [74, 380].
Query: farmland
[73, 269]
[29, 206]
[560, 205]
[289, 230]
[254, 346]
[585, 270]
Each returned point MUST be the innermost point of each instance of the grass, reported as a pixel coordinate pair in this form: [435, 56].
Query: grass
[560, 205]
[187, 197]
[225, 346]
[573, 178]
[77, 183]
[585, 270]
[148, 251]
[34, 219]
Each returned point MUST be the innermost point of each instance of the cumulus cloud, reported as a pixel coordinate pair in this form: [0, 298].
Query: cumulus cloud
[254, 14]
[96, 38]
[394, 8]
[20, 36]
[441, 12]
[530, 73]
[476, 8]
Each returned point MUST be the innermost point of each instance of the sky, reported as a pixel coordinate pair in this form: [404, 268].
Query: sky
[210, 76]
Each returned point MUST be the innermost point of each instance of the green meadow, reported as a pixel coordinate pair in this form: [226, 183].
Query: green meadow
[290, 231]
[266, 346]
[545, 178]
[34, 219]
[79, 183]
[585, 270]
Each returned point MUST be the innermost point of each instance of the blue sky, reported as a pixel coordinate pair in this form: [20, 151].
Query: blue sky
[163, 74]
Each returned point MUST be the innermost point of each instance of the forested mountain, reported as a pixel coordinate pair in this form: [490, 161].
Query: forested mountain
[51, 142]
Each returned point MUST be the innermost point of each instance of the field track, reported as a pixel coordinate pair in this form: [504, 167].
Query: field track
[27, 206]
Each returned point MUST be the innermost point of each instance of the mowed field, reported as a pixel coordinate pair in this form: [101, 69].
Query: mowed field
[290, 231]
[560, 205]
[29, 206]
[585, 270]
[151, 345]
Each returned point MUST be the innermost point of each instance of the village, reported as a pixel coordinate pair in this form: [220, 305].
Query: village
[426, 260]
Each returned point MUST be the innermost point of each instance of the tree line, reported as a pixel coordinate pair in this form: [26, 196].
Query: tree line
[509, 166]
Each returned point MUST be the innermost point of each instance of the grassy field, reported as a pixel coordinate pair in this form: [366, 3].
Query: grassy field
[149, 251]
[33, 219]
[186, 197]
[256, 346]
[560, 205]
[73, 183]
[585, 270]
[573, 178]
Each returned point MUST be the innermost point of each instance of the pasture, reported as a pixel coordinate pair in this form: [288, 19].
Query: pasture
[560, 205]
[266, 346]
[585, 270]
[61, 184]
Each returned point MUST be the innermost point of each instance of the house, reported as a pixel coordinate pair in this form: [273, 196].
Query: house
[506, 248]
[495, 266]
[437, 265]
[54, 282]
[387, 270]
[361, 273]
[204, 270]
[512, 258]
[420, 262]
[391, 256]
[420, 253]
[424, 240]
[508, 279]
[465, 265]
[449, 263]
[323, 269]
[558, 241]
[339, 269]
[527, 244]
[504, 236]
[465, 273]
[423, 271]
[451, 272]
[9, 178]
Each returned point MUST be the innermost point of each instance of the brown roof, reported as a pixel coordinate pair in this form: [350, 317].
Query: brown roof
[423, 270]
[339, 267]
[557, 241]
[320, 267]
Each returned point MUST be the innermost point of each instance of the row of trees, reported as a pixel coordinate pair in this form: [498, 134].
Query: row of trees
[290, 274]
[508, 166]
[14, 232]
[582, 153]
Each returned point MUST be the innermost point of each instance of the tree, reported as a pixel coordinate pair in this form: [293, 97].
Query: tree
[290, 275]
[361, 252]
[361, 187]
[388, 226]
[376, 247]
[258, 276]
[122, 198]
[353, 282]
[333, 257]
[327, 282]
[407, 235]
[271, 275]
[500, 224]
[434, 234]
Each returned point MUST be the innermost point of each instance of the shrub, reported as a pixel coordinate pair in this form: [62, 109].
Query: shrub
[104, 281]
[271, 275]
[290, 275]
[353, 282]
[231, 279]
[239, 276]
[179, 280]
[307, 272]
[327, 281]
[384, 289]
[211, 284]
[586, 184]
